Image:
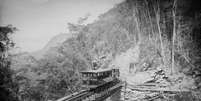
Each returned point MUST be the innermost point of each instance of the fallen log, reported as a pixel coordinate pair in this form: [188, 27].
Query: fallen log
[154, 89]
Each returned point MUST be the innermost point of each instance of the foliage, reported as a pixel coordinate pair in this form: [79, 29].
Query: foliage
[8, 87]
[166, 35]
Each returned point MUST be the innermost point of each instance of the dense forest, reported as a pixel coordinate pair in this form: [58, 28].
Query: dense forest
[8, 85]
[167, 34]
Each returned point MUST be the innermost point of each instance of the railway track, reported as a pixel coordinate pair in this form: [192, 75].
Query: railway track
[91, 95]
[99, 83]
[75, 96]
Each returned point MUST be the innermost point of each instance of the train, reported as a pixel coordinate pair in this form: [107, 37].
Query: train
[96, 85]
[102, 82]
[94, 78]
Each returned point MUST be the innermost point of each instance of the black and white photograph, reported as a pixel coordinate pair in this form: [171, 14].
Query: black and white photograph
[100, 50]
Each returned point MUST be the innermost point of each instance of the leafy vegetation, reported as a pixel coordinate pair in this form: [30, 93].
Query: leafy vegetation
[8, 86]
[167, 33]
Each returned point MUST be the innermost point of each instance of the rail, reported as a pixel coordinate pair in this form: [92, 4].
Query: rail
[91, 95]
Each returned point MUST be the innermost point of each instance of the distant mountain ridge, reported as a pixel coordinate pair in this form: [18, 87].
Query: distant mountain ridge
[26, 59]
[56, 41]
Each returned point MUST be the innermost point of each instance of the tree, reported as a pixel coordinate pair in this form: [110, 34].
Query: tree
[174, 35]
[158, 15]
[8, 88]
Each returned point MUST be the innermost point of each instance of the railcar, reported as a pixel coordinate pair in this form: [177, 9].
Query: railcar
[94, 78]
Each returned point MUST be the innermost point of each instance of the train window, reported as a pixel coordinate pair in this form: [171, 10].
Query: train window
[84, 82]
[94, 75]
[84, 75]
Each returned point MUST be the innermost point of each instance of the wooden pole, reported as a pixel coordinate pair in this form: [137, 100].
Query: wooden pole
[125, 90]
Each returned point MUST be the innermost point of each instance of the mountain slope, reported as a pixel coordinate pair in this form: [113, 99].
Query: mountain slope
[56, 41]
[23, 60]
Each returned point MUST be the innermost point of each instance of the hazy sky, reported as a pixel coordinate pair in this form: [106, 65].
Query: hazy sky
[39, 20]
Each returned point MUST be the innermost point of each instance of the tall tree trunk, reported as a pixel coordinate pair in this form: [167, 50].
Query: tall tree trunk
[149, 16]
[138, 38]
[173, 37]
[157, 12]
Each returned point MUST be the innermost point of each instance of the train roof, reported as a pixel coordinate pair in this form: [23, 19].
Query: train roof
[97, 71]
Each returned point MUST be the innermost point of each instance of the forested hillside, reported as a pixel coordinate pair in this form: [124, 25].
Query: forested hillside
[56, 41]
[164, 33]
